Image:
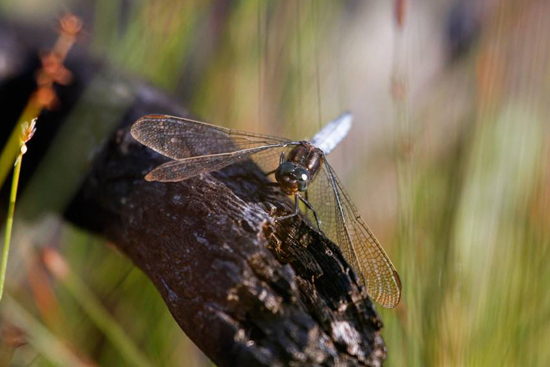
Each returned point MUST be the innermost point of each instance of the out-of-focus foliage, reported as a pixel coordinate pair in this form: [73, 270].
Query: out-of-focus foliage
[450, 166]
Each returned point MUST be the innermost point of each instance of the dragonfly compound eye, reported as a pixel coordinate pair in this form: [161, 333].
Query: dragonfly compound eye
[302, 178]
[285, 176]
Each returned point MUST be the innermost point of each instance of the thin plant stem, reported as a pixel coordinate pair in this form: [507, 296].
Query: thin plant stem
[9, 222]
[25, 134]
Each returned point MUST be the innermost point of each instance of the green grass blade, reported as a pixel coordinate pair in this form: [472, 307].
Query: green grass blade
[9, 223]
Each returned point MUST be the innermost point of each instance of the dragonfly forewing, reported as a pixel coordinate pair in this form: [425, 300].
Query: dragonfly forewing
[179, 138]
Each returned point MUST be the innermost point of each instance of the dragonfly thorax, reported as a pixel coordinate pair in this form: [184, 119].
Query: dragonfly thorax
[299, 168]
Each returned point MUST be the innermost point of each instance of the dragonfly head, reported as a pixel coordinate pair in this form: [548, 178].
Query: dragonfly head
[292, 178]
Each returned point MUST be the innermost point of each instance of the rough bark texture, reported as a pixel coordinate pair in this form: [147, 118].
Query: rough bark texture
[246, 289]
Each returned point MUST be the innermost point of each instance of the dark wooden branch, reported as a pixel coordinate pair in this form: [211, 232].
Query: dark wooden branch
[246, 289]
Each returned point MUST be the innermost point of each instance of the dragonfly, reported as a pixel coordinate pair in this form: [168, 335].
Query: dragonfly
[301, 169]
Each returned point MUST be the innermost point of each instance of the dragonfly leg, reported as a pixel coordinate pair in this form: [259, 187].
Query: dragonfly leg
[296, 210]
[270, 172]
[310, 207]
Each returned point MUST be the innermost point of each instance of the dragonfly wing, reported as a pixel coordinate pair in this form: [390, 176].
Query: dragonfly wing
[179, 138]
[182, 169]
[341, 222]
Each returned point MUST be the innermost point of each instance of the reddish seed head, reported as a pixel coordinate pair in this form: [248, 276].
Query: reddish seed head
[53, 70]
[45, 97]
[70, 24]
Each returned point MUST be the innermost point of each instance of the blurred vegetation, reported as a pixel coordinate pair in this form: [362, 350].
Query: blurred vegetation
[448, 162]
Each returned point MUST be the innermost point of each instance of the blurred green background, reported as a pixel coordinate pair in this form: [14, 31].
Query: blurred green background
[448, 161]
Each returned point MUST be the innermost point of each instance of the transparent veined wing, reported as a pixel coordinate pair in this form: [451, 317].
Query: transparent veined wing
[182, 169]
[198, 147]
[179, 137]
[341, 223]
